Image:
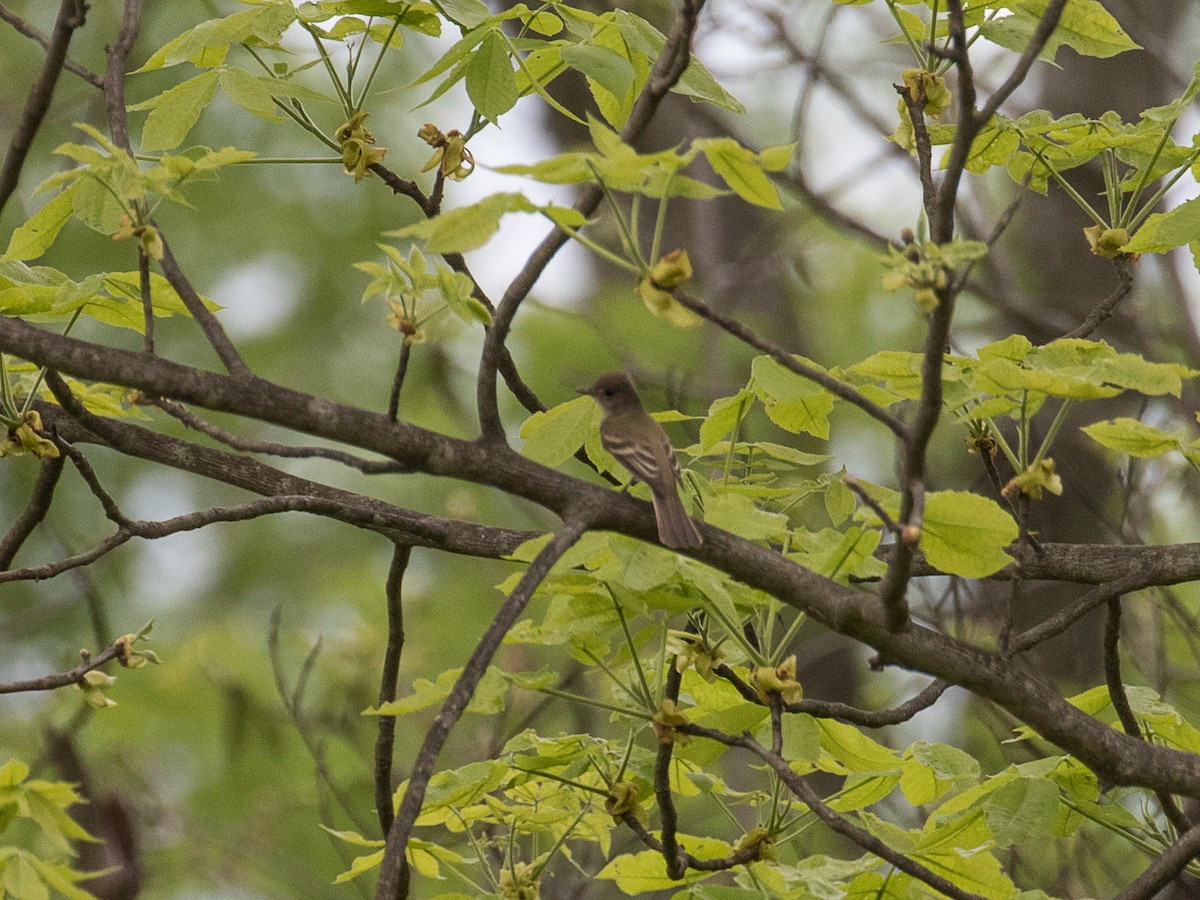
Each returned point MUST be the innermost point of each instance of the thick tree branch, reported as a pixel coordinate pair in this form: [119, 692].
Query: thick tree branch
[394, 522]
[849, 611]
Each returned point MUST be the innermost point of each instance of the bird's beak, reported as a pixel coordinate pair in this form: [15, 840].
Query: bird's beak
[584, 390]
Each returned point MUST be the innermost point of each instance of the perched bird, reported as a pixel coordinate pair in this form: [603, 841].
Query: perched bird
[639, 444]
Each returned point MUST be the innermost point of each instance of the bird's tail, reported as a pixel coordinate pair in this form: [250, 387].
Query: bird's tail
[675, 527]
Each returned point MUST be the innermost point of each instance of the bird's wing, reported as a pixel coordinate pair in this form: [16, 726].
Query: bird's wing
[653, 463]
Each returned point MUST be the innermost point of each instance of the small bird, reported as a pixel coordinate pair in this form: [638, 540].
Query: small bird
[639, 444]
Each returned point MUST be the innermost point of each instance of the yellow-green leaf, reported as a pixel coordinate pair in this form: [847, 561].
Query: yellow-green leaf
[1132, 437]
[965, 534]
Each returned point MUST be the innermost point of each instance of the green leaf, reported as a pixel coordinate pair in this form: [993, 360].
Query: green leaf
[965, 534]
[839, 502]
[605, 66]
[488, 698]
[470, 227]
[699, 84]
[491, 80]
[1021, 810]
[553, 436]
[808, 414]
[175, 111]
[639, 873]
[34, 238]
[1086, 27]
[467, 13]
[1132, 437]
[458, 290]
[250, 93]
[789, 399]
[21, 879]
[741, 169]
[1165, 231]
[359, 865]
[930, 770]
[723, 416]
[853, 751]
[737, 513]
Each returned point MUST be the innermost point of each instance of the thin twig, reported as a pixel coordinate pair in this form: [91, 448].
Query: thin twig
[193, 421]
[828, 709]
[204, 318]
[389, 676]
[1120, 701]
[741, 857]
[1165, 869]
[675, 861]
[34, 512]
[63, 679]
[394, 873]
[114, 74]
[1105, 308]
[874, 505]
[1065, 618]
[111, 511]
[71, 15]
[666, 72]
[34, 34]
[147, 301]
[834, 820]
[788, 361]
[398, 380]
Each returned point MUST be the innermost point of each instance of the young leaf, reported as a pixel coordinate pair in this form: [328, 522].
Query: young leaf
[741, 169]
[1165, 231]
[965, 534]
[553, 436]
[606, 67]
[175, 111]
[34, 238]
[1132, 437]
[491, 81]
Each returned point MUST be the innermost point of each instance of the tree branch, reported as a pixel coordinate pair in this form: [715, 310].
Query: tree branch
[206, 320]
[71, 15]
[389, 675]
[34, 512]
[832, 819]
[747, 336]
[63, 679]
[666, 72]
[394, 874]
[1165, 869]
[23, 27]
[1104, 309]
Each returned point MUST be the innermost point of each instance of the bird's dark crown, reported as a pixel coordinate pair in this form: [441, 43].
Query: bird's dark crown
[613, 384]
